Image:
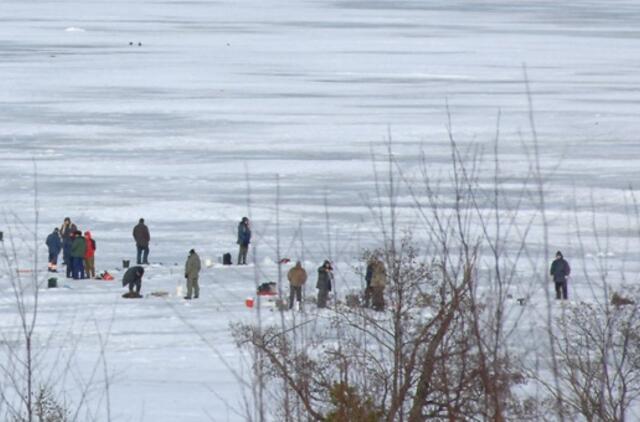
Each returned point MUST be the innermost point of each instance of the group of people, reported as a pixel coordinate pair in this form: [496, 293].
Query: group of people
[78, 253]
[78, 250]
[375, 277]
[133, 278]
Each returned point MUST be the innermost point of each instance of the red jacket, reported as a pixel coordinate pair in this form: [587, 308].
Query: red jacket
[91, 245]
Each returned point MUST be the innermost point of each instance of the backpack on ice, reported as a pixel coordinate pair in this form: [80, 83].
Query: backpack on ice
[226, 259]
[105, 276]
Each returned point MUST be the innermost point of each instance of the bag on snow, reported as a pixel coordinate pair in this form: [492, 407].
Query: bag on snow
[226, 259]
[267, 289]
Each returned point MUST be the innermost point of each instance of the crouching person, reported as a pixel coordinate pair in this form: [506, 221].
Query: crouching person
[376, 278]
[191, 273]
[297, 277]
[133, 278]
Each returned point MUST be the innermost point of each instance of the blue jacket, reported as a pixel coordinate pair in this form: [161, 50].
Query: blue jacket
[244, 234]
[54, 243]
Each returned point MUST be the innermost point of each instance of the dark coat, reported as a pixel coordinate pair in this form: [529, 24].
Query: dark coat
[324, 279]
[141, 235]
[66, 246]
[54, 243]
[132, 275]
[560, 270]
[78, 247]
[244, 234]
[66, 230]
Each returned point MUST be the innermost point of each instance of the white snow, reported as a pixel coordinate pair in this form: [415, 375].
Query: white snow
[190, 129]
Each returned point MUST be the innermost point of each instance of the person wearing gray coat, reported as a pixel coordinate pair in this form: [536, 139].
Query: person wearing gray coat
[191, 273]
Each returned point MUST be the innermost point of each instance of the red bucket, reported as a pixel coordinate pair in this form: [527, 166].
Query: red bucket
[249, 302]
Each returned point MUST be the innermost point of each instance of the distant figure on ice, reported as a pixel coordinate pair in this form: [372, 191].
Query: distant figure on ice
[191, 273]
[78, 250]
[67, 231]
[297, 277]
[560, 271]
[244, 238]
[54, 244]
[66, 250]
[323, 285]
[142, 238]
[133, 278]
[89, 256]
[376, 278]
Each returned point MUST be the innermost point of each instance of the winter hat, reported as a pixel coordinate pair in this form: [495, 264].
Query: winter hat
[559, 254]
[192, 251]
[87, 233]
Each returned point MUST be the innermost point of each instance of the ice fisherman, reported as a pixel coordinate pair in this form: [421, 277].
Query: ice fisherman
[142, 237]
[78, 251]
[244, 238]
[325, 276]
[67, 232]
[191, 273]
[133, 278]
[89, 255]
[560, 270]
[54, 245]
[376, 278]
[297, 276]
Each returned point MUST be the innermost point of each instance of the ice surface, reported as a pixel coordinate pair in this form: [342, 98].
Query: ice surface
[225, 91]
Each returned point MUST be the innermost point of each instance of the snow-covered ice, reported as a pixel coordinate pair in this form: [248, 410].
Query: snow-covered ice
[184, 113]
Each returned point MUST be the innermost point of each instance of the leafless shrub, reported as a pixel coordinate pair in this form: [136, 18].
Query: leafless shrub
[599, 360]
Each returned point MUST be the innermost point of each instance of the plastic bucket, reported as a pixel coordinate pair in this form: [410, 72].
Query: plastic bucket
[249, 302]
[52, 283]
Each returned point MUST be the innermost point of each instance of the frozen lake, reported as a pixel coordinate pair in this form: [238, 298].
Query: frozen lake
[302, 89]
[219, 92]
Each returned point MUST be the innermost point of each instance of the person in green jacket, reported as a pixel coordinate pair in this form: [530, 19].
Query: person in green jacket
[191, 273]
[78, 250]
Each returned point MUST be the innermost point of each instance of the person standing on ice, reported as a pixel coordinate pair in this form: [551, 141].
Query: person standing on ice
[297, 276]
[323, 285]
[54, 244]
[376, 278]
[133, 278]
[191, 273]
[89, 256]
[66, 250]
[560, 270]
[142, 238]
[67, 232]
[244, 238]
[78, 250]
